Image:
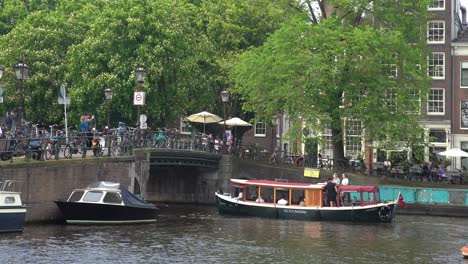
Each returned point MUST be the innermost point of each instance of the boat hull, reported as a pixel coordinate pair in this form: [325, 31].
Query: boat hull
[464, 251]
[12, 218]
[382, 213]
[93, 213]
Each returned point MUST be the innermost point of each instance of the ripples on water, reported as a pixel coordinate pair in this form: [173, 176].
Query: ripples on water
[197, 234]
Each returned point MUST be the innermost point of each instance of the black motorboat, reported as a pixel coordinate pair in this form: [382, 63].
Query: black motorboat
[106, 203]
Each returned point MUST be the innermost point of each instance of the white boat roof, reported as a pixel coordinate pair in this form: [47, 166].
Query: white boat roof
[277, 184]
[106, 185]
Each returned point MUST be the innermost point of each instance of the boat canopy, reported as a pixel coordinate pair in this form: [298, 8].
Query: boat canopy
[128, 198]
[104, 185]
[357, 188]
[276, 184]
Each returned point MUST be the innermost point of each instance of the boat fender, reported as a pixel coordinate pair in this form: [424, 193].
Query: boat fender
[384, 213]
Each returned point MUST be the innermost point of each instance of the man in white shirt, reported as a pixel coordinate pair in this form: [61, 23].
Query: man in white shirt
[336, 180]
[345, 180]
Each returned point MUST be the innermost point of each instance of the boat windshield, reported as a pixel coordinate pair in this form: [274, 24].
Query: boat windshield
[92, 196]
[113, 198]
[75, 196]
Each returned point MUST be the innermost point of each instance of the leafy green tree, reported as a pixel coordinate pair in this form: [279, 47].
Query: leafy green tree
[343, 61]
[42, 40]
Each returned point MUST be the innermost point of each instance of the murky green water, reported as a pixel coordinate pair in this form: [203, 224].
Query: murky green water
[198, 234]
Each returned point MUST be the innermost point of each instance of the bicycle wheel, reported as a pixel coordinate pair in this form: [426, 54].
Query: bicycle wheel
[20, 149]
[68, 151]
[115, 148]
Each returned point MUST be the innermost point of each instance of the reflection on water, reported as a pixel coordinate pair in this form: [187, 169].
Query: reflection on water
[198, 234]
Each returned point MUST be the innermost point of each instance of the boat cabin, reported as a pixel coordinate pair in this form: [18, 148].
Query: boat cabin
[100, 192]
[302, 194]
[358, 195]
[284, 193]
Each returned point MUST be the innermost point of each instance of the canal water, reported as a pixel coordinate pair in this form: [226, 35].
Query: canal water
[198, 234]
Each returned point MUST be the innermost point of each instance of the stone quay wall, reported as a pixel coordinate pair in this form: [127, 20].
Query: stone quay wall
[42, 183]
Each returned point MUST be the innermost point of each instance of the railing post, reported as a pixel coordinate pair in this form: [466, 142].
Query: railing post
[108, 145]
[84, 145]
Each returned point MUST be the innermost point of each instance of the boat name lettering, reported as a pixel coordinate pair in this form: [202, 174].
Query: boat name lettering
[293, 211]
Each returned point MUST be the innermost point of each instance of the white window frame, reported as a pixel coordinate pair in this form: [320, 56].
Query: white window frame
[353, 138]
[442, 101]
[258, 127]
[463, 65]
[431, 27]
[438, 73]
[463, 108]
[438, 7]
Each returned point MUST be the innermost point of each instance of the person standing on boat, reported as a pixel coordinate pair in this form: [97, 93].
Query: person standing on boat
[345, 196]
[260, 200]
[336, 179]
[345, 180]
[330, 188]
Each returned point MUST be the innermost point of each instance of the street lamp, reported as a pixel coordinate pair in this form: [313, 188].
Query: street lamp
[140, 75]
[225, 100]
[21, 70]
[108, 93]
[1, 87]
[274, 122]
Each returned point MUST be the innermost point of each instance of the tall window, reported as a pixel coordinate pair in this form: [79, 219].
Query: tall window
[328, 143]
[435, 101]
[353, 138]
[437, 5]
[436, 65]
[464, 114]
[464, 74]
[260, 129]
[391, 96]
[436, 32]
[437, 136]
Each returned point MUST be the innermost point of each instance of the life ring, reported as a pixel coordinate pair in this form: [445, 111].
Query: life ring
[384, 213]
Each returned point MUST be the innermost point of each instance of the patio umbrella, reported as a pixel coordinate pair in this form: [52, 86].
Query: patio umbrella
[205, 118]
[235, 122]
[453, 153]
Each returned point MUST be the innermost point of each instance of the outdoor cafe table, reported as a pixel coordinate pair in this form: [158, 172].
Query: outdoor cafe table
[398, 172]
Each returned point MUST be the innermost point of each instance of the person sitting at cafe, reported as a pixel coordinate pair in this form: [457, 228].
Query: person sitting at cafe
[442, 173]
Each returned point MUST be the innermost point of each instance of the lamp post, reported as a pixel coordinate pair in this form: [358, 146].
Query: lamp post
[225, 100]
[274, 122]
[1, 87]
[108, 93]
[21, 70]
[140, 75]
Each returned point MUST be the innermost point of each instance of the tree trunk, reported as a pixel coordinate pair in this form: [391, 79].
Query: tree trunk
[338, 147]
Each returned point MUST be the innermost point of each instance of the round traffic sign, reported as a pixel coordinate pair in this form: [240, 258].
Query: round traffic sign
[138, 97]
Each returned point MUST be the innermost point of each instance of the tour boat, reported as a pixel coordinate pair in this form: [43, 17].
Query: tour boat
[464, 251]
[305, 201]
[12, 211]
[106, 203]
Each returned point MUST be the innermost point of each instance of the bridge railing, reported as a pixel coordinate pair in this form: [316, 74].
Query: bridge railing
[114, 143]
